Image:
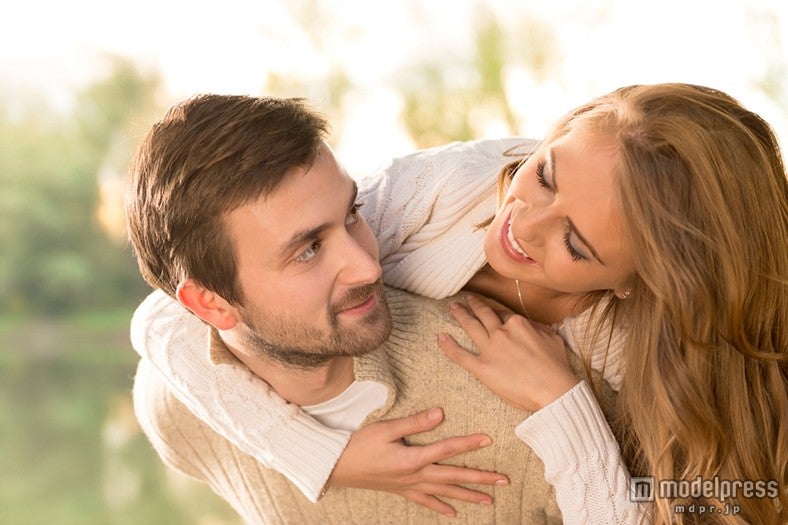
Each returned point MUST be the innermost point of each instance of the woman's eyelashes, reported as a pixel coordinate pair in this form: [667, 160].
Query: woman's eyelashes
[540, 175]
[573, 252]
[541, 178]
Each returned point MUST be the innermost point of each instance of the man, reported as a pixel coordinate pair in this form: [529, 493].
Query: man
[238, 208]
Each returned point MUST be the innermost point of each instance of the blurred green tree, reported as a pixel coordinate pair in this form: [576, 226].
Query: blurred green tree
[452, 98]
[56, 257]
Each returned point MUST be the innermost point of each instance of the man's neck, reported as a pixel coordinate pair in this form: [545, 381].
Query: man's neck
[299, 386]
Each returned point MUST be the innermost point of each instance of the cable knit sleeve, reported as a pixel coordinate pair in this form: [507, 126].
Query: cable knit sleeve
[232, 400]
[582, 460]
[424, 209]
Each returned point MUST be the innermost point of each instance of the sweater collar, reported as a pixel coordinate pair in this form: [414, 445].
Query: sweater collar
[373, 366]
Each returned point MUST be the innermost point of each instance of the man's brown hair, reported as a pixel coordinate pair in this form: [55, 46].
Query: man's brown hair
[206, 157]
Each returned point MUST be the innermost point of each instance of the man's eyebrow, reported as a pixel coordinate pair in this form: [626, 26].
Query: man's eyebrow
[301, 237]
[554, 171]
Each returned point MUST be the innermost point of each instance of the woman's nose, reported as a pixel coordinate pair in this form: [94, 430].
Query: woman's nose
[531, 223]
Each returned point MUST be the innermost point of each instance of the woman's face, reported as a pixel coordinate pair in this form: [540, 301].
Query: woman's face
[560, 225]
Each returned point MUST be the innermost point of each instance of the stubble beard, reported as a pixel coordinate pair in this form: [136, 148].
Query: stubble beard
[298, 345]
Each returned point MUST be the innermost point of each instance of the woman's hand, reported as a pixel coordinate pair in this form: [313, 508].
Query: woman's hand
[376, 458]
[522, 362]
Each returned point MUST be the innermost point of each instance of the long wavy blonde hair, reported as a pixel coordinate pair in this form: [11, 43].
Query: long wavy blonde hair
[705, 195]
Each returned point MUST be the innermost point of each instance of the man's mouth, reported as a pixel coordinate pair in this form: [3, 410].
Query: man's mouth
[360, 301]
[361, 308]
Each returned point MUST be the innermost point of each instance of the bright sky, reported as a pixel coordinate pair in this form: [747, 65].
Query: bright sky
[54, 47]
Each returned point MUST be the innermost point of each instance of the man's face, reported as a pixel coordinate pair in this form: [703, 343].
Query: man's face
[308, 268]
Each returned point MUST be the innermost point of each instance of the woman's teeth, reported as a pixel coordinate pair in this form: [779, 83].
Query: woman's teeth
[515, 245]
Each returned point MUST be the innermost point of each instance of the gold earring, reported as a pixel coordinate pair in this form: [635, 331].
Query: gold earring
[624, 294]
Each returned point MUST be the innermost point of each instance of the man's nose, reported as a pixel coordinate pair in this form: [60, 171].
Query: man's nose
[359, 266]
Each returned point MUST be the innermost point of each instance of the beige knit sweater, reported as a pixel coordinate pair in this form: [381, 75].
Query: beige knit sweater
[418, 377]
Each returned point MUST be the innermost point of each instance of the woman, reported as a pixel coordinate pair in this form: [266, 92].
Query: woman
[650, 229]
[699, 280]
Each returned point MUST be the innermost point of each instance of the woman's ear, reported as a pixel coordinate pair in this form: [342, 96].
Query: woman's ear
[207, 305]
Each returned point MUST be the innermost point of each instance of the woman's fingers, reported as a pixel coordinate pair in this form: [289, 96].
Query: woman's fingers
[425, 455]
[476, 330]
[459, 493]
[488, 317]
[453, 475]
[449, 447]
[397, 429]
[431, 502]
[457, 353]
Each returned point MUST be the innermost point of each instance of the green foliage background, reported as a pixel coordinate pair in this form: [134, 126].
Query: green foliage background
[56, 258]
[70, 449]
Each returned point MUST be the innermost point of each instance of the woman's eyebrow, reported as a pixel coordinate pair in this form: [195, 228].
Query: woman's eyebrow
[584, 241]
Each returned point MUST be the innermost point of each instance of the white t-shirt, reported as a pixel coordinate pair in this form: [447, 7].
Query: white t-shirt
[350, 408]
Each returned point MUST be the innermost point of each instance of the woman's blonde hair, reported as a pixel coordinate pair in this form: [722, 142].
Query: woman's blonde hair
[704, 194]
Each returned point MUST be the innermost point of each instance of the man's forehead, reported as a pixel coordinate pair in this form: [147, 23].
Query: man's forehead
[308, 201]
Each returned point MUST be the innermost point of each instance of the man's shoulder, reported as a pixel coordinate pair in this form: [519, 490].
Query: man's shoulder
[408, 304]
[416, 322]
[169, 426]
[424, 316]
[158, 411]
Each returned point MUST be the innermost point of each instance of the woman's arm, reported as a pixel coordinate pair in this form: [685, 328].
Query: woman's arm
[582, 460]
[230, 399]
[247, 412]
[424, 209]
[525, 364]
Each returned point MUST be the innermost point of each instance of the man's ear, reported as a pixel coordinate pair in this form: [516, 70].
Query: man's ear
[207, 305]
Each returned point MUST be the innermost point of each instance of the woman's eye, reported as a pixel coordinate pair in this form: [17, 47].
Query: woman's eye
[308, 254]
[352, 216]
[540, 177]
[573, 252]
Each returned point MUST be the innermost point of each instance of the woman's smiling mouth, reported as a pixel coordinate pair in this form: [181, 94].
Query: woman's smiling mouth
[510, 245]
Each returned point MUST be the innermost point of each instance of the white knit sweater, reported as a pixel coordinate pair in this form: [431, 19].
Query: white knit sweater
[423, 209]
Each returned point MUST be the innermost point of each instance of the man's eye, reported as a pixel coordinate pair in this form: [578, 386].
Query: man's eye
[352, 216]
[308, 254]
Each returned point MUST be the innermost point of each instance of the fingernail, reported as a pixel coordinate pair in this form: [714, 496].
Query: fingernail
[502, 482]
[450, 514]
[455, 306]
[485, 442]
[442, 338]
[434, 414]
[485, 502]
